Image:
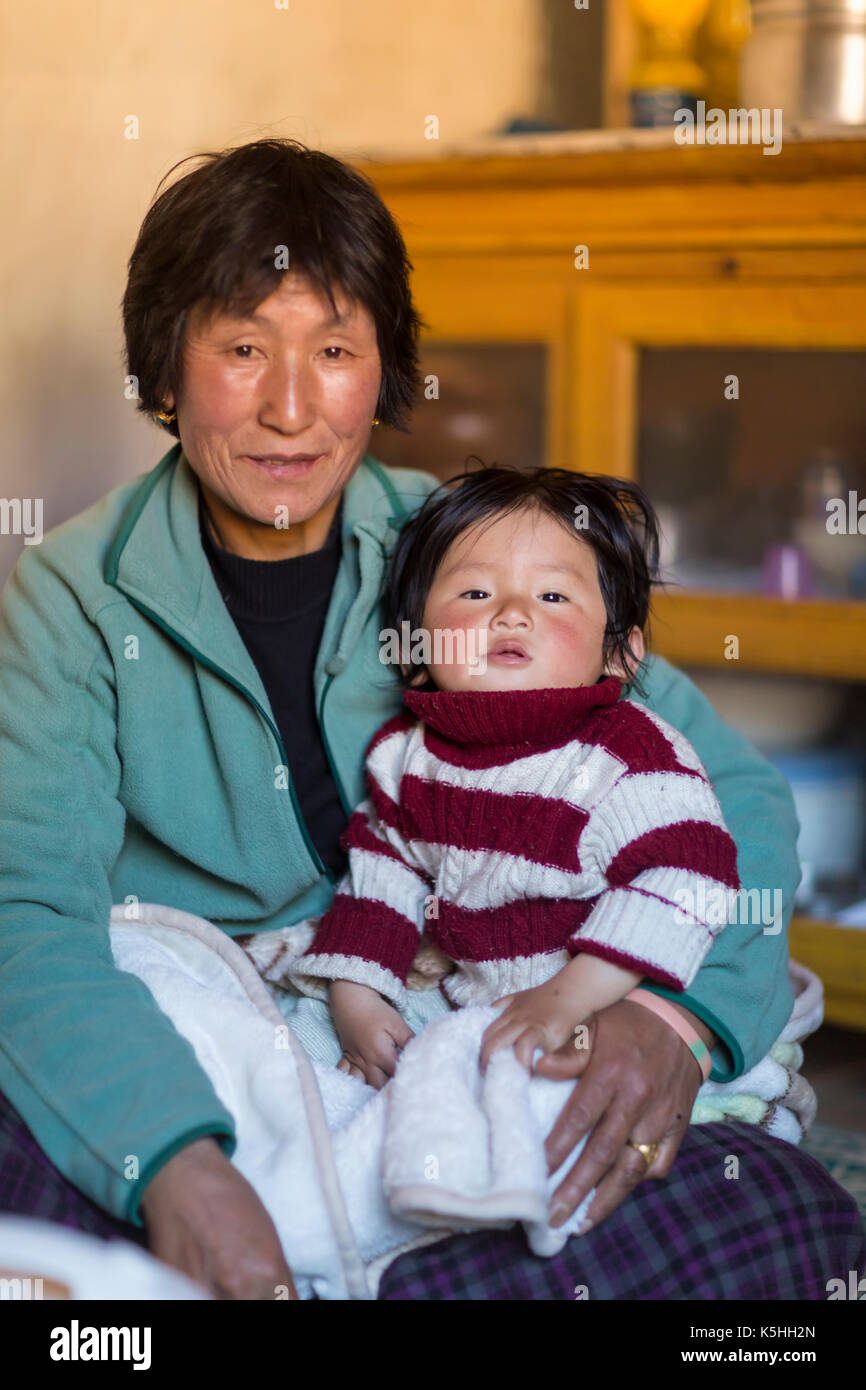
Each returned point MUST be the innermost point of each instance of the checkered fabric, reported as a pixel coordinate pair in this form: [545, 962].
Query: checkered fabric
[779, 1230]
[30, 1185]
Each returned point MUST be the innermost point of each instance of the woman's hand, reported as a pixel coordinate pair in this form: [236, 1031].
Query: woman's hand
[205, 1219]
[372, 1033]
[638, 1082]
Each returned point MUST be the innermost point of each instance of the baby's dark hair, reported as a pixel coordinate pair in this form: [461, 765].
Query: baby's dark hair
[613, 515]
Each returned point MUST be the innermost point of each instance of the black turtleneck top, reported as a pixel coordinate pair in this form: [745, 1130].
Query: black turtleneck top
[279, 609]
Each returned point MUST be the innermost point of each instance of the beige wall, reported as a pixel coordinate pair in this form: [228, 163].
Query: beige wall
[353, 78]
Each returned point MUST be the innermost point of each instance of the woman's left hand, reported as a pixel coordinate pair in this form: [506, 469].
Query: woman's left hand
[638, 1082]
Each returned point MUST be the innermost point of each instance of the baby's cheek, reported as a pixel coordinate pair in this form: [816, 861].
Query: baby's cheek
[583, 665]
[570, 639]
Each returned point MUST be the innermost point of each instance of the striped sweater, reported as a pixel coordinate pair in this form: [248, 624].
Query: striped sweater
[518, 828]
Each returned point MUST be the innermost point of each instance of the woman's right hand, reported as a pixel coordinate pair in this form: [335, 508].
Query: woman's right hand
[371, 1031]
[206, 1220]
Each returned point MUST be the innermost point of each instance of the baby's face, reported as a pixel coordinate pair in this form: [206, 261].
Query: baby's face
[525, 592]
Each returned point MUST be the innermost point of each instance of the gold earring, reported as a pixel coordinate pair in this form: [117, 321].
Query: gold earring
[375, 421]
[165, 417]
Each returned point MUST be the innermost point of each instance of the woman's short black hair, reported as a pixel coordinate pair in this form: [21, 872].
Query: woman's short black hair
[613, 515]
[213, 240]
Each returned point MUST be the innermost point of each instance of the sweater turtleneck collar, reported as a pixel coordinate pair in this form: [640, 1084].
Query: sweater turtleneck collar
[506, 717]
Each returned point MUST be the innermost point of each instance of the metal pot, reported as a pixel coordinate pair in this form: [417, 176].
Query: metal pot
[807, 57]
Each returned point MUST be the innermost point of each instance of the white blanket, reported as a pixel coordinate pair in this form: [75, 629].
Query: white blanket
[352, 1176]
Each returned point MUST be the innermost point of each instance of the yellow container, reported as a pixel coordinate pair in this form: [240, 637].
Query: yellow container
[666, 75]
[720, 40]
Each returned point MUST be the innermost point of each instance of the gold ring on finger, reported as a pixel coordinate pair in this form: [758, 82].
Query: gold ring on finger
[647, 1151]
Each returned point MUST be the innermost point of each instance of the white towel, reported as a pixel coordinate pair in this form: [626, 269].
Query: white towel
[467, 1147]
[348, 1191]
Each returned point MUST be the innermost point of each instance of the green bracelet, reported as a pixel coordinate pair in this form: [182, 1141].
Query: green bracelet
[700, 1051]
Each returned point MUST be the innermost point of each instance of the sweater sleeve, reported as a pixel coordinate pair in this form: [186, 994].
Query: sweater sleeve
[371, 931]
[658, 843]
[106, 1084]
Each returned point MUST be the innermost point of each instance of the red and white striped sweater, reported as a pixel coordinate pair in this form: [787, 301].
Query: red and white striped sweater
[518, 828]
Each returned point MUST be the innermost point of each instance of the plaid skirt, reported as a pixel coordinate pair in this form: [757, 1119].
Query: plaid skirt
[779, 1230]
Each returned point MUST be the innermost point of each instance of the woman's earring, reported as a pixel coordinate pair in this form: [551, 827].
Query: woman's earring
[165, 417]
[375, 421]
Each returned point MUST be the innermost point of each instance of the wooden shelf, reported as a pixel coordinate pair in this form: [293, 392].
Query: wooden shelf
[807, 637]
[580, 158]
[838, 955]
[628, 191]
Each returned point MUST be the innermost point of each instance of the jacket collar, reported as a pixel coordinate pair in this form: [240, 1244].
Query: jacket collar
[157, 560]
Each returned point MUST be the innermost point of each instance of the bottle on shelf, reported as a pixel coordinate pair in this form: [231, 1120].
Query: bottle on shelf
[666, 77]
[727, 25]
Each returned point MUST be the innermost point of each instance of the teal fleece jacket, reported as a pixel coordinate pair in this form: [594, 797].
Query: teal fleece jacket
[140, 760]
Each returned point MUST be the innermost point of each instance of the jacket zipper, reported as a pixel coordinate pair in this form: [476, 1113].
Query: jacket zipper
[211, 666]
[399, 514]
[331, 761]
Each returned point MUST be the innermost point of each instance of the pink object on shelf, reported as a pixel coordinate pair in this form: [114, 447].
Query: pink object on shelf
[787, 572]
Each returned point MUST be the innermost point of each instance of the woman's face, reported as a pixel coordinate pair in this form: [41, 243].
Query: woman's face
[275, 414]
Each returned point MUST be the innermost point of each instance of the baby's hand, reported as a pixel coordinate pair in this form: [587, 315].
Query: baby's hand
[370, 1030]
[542, 1017]
[548, 1015]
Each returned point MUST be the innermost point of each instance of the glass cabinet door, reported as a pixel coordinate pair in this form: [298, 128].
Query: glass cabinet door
[741, 408]
[742, 411]
[482, 399]
[494, 365]
[750, 456]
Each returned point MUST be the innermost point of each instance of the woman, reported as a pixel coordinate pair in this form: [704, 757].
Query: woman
[189, 676]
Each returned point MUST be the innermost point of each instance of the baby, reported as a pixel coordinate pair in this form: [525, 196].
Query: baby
[546, 832]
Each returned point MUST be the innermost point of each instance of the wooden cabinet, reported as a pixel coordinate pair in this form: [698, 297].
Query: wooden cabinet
[585, 254]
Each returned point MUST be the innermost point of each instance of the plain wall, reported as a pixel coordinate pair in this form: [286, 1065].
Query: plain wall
[356, 79]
